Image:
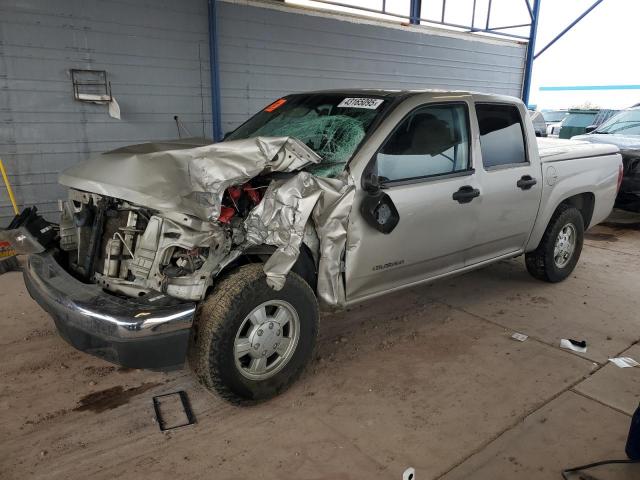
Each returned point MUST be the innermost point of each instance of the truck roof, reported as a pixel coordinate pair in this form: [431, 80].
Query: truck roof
[390, 93]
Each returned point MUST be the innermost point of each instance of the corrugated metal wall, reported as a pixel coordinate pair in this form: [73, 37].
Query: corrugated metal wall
[268, 52]
[156, 55]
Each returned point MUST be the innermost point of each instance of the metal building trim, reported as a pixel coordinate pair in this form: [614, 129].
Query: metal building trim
[214, 68]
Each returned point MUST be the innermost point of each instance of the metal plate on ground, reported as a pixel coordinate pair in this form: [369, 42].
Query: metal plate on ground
[173, 410]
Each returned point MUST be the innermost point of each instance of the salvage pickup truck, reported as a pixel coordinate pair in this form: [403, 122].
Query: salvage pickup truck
[221, 253]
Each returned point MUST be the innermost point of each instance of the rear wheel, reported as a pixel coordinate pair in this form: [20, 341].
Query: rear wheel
[560, 247]
[252, 342]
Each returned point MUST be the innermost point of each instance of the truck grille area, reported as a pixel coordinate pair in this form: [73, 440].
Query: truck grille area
[134, 251]
[98, 234]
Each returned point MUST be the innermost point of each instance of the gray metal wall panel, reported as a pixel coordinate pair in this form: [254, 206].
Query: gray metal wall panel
[156, 54]
[266, 53]
[150, 51]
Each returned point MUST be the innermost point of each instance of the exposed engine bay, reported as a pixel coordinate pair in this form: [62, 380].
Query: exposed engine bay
[133, 250]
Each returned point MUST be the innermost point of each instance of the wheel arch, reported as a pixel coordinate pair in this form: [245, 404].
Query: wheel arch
[583, 201]
[305, 266]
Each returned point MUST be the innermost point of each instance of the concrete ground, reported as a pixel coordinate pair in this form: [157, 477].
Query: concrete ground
[427, 378]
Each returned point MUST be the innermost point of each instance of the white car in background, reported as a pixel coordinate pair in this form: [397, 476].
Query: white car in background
[553, 119]
[539, 123]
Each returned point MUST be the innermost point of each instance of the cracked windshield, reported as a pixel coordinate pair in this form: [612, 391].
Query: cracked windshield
[331, 125]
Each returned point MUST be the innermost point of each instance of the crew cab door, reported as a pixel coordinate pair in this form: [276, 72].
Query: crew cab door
[511, 180]
[421, 166]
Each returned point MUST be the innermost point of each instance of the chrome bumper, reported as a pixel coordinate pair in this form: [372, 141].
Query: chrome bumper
[148, 332]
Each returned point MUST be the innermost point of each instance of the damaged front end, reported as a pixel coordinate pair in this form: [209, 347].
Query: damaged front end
[142, 219]
[147, 229]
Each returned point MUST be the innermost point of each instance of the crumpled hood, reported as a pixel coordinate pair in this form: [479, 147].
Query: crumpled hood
[169, 177]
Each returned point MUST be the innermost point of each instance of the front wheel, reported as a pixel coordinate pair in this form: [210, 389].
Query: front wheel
[560, 247]
[252, 342]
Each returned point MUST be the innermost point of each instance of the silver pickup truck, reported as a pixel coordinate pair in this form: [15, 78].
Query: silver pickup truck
[221, 253]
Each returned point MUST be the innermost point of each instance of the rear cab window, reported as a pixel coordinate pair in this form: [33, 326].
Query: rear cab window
[502, 140]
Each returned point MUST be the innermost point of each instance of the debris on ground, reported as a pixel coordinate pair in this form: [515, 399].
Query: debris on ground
[521, 337]
[173, 410]
[409, 474]
[575, 345]
[624, 362]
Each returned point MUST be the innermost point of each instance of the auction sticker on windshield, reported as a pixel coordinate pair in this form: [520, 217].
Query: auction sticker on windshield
[370, 103]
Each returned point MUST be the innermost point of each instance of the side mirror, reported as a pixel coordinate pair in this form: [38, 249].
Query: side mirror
[590, 128]
[379, 212]
[371, 184]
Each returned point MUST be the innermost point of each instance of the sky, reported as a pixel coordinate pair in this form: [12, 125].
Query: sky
[600, 50]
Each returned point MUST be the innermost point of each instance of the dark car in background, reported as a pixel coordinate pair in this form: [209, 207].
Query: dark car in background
[580, 121]
[623, 130]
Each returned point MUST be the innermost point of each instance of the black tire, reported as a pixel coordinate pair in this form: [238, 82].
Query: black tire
[540, 263]
[222, 314]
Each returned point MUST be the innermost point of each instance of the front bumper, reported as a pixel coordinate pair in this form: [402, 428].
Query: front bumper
[150, 332]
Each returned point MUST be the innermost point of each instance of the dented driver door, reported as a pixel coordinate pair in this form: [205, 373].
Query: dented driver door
[425, 169]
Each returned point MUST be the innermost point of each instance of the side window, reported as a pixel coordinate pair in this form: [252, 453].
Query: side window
[501, 134]
[432, 140]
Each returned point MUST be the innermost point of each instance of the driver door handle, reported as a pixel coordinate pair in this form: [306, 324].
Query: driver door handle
[526, 182]
[465, 194]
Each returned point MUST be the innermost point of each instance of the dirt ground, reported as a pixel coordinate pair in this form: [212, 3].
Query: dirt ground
[427, 378]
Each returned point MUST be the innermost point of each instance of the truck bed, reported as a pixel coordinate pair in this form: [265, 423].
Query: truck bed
[554, 149]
